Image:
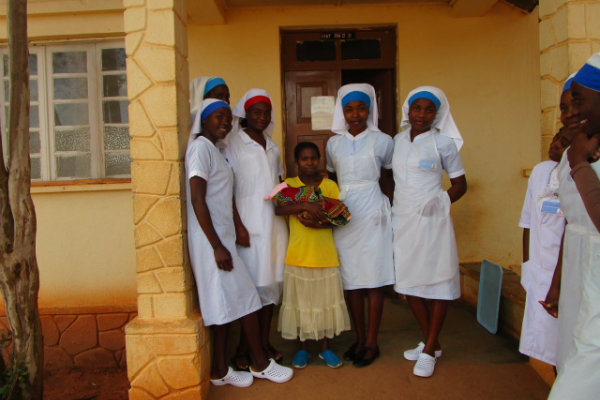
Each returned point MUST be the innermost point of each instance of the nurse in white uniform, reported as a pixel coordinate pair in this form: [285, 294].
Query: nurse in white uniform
[262, 236]
[358, 156]
[225, 290]
[425, 255]
[579, 377]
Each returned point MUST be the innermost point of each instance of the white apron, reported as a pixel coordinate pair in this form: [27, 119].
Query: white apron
[364, 245]
[424, 245]
[224, 295]
[579, 373]
[256, 172]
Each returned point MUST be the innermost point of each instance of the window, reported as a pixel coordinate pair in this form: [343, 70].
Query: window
[79, 119]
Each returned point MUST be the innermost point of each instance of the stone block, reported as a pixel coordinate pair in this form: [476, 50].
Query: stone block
[145, 149]
[150, 177]
[546, 32]
[175, 345]
[133, 3]
[549, 93]
[158, 61]
[181, 35]
[549, 120]
[138, 394]
[134, 19]
[145, 306]
[579, 54]
[592, 18]
[161, 27]
[80, 336]
[151, 381]
[95, 358]
[139, 122]
[160, 4]
[148, 259]
[112, 340]
[145, 235]
[165, 216]
[138, 354]
[171, 279]
[137, 79]
[111, 321]
[171, 305]
[576, 15]
[141, 205]
[176, 182]
[179, 372]
[560, 23]
[555, 63]
[546, 8]
[161, 99]
[147, 283]
[171, 250]
[170, 144]
[63, 321]
[132, 42]
[55, 358]
[49, 330]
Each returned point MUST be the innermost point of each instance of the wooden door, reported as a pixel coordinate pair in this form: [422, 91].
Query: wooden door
[300, 86]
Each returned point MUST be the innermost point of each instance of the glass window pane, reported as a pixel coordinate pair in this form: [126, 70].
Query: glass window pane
[116, 111]
[35, 168]
[34, 141]
[33, 90]
[5, 65]
[317, 50]
[70, 88]
[115, 85]
[77, 139]
[77, 166]
[361, 49]
[6, 86]
[71, 114]
[34, 116]
[116, 138]
[117, 164]
[33, 70]
[113, 59]
[69, 62]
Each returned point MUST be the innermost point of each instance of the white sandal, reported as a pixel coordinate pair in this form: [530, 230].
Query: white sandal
[234, 378]
[424, 366]
[274, 372]
[413, 354]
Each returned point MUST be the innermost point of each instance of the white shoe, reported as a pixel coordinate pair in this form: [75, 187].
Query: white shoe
[424, 366]
[413, 354]
[274, 372]
[234, 378]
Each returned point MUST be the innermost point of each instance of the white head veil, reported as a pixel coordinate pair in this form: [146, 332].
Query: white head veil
[197, 87]
[197, 124]
[443, 122]
[239, 111]
[339, 124]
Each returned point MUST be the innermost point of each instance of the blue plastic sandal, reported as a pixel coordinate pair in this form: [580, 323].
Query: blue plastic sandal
[301, 359]
[330, 359]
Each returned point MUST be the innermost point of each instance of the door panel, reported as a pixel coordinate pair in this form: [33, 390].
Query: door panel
[300, 86]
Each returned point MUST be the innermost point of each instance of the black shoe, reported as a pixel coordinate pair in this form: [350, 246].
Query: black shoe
[350, 354]
[362, 361]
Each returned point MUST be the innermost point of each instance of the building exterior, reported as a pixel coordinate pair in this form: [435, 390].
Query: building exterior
[111, 242]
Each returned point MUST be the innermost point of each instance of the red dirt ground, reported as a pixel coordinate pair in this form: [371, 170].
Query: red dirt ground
[76, 384]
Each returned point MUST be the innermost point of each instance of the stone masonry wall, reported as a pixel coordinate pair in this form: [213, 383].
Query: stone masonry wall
[569, 35]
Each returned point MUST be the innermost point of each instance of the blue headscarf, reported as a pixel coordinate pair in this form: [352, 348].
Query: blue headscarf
[213, 83]
[589, 75]
[211, 108]
[424, 94]
[567, 85]
[356, 95]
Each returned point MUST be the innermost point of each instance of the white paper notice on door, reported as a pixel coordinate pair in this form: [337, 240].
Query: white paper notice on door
[321, 112]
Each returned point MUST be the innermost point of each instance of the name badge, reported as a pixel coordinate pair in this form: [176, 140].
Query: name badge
[551, 207]
[427, 164]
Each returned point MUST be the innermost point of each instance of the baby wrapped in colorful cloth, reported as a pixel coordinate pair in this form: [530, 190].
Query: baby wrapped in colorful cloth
[336, 211]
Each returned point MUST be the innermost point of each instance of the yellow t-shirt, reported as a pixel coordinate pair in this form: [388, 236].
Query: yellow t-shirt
[312, 247]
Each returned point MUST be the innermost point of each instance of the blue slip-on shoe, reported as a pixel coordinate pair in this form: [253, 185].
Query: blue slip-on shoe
[330, 359]
[301, 359]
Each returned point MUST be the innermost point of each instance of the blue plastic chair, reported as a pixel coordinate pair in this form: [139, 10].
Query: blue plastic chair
[490, 290]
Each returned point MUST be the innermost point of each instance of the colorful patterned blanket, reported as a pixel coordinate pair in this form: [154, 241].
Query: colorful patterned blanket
[336, 211]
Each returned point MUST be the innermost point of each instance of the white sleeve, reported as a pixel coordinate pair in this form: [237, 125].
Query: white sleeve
[450, 157]
[525, 221]
[198, 160]
[328, 149]
[385, 150]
